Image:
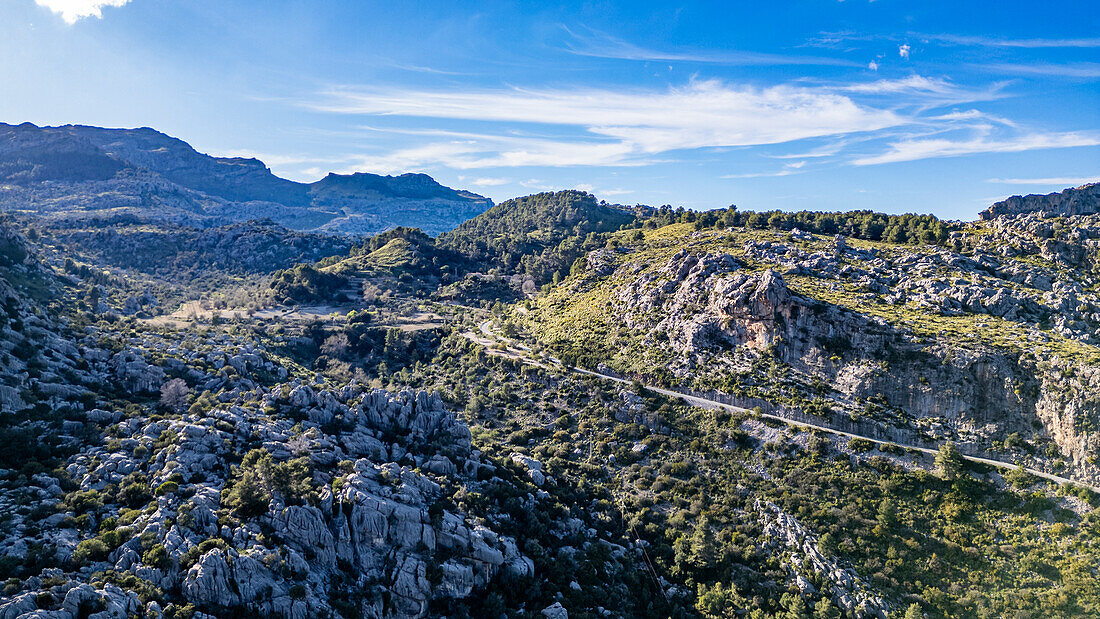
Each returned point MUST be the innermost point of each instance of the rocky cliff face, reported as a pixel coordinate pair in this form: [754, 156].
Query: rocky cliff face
[711, 314]
[985, 341]
[1083, 200]
[77, 171]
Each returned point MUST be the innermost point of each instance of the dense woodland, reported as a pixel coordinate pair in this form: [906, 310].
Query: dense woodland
[540, 235]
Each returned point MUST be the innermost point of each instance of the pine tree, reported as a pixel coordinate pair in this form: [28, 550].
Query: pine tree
[949, 461]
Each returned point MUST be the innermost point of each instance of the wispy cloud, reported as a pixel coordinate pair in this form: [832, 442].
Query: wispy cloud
[73, 11]
[794, 167]
[536, 184]
[559, 127]
[911, 150]
[971, 116]
[1065, 181]
[983, 41]
[928, 92]
[1085, 70]
[495, 153]
[621, 126]
[276, 159]
[614, 192]
[827, 150]
[597, 44]
[490, 182]
[838, 40]
[761, 174]
[432, 70]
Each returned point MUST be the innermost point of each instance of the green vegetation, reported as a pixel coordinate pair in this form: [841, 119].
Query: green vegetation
[866, 225]
[259, 477]
[648, 507]
[540, 235]
[305, 284]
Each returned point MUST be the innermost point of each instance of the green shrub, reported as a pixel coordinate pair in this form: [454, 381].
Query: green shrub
[167, 487]
[90, 550]
[258, 477]
[157, 556]
[860, 445]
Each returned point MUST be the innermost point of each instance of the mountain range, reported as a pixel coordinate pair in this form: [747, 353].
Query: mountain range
[76, 171]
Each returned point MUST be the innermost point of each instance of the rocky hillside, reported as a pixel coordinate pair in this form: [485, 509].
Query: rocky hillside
[167, 472]
[988, 339]
[79, 171]
[382, 430]
[171, 252]
[1083, 200]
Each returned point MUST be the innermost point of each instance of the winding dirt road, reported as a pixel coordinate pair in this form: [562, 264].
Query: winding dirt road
[522, 353]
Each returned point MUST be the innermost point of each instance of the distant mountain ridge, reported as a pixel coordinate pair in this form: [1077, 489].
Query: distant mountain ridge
[76, 170]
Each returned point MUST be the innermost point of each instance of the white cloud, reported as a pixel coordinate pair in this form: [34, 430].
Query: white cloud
[1024, 43]
[972, 115]
[839, 40]
[1070, 181]
[558, 127]
[490, 182]
[614, 192]
[872, 65]
[794, 167]
[1072, 70]
[761, 174]
[618, 127]
[74, 10]
[281, 160]
[903, 51]
[827, 150]
[910, 150]
[910, 84]
[926, 92]
[601, 193]
[598, 44]
[536, 184]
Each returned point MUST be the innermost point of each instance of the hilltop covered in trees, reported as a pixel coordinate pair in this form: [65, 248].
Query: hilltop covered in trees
[537, 235]
[867, 225]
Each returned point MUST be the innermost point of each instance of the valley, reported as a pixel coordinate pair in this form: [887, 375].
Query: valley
[560, 407]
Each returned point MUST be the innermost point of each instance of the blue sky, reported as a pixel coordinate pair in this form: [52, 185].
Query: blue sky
[895, 106]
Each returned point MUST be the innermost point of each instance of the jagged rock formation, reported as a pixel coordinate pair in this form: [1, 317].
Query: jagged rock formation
[784, 534]
[341, 507]
[77, 171]
[1083, 200]
[374, 535]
